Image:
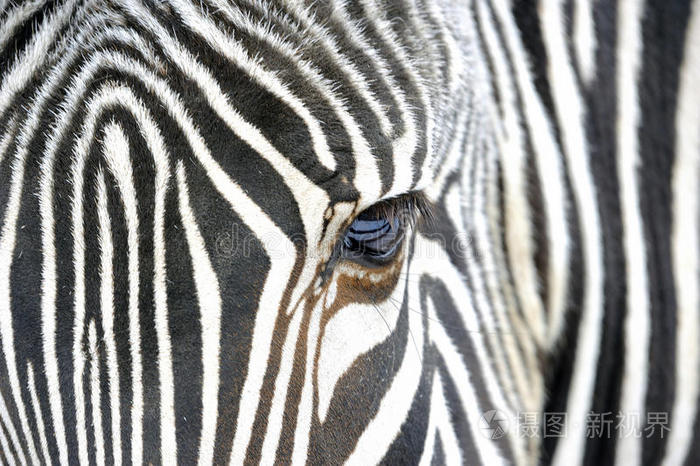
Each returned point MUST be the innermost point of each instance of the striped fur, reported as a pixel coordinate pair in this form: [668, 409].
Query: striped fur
[175, 177]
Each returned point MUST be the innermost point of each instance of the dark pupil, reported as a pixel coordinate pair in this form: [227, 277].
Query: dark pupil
[373, 236]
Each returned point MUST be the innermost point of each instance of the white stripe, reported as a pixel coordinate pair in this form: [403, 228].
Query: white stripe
[7, 137]
[570, 113]
[685, 237]
[31, 386]
[116, 154]
[209, 300]
[80, 151]
[305, 411]
[488, 147]
[514, 362]
[168, 445]
[584, 39]
[274, 419]
[439, 422]
[6, 447]
[107, 313]
[95, 394]
[352, 331]
[637, 319]
[48, 300]
[17, 17]
[7, 422]
[487, 223]
[33, 56]
[550, 170]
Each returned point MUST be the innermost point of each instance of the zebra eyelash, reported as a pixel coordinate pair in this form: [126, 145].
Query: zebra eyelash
[411, 209]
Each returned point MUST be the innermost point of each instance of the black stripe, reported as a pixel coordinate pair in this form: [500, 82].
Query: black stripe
[602, 101]
[663, 34]
[185, 333]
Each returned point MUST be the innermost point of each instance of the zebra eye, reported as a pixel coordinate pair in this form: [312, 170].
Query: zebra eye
[375, 236]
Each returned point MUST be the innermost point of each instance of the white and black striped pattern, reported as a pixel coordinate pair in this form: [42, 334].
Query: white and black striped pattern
[175, 177]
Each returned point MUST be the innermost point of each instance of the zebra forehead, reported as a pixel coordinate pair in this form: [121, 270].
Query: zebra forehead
[344, 108]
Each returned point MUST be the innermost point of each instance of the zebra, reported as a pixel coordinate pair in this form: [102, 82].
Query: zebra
[349, 231]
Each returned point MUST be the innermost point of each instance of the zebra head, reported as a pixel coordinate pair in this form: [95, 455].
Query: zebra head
[323, 232]
[256, 232]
